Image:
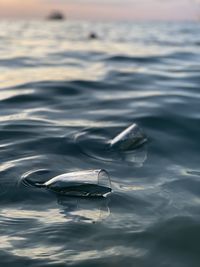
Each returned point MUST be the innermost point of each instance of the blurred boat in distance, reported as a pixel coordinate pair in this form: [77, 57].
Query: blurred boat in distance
[55, 15]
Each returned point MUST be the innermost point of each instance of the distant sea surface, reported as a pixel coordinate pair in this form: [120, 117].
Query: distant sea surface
[63, 96]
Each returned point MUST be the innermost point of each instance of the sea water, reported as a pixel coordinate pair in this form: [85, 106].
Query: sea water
[62, 97]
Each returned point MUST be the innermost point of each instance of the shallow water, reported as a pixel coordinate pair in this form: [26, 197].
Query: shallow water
[62, 97]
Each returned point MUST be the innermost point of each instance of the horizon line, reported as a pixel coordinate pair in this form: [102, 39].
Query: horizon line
[35, 18]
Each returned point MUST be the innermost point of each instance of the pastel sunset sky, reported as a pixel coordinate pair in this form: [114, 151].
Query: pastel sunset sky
[103, 9]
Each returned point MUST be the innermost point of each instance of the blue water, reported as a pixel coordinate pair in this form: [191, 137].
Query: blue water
[62, 97]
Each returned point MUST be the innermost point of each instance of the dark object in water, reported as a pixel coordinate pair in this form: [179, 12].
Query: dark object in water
[89, 183]
[93, 35]
[131, 138]
[56, 15]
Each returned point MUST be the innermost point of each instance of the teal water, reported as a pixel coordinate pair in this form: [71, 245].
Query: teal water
[62, 97]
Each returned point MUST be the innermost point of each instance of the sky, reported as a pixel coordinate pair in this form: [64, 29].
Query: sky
[103, 9]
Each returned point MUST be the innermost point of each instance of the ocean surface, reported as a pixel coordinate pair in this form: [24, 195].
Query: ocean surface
[62, 98]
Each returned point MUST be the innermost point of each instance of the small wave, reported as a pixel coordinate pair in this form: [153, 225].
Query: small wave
[80, 55]
[183, 56]
[49, 88]
[31, 178]
[132, 59]
[188, 185]
[26, 98]
[193, 172]
[18, 62]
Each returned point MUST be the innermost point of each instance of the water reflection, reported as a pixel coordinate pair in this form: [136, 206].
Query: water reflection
[69, 209]
[134, 157]
[83, 209]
